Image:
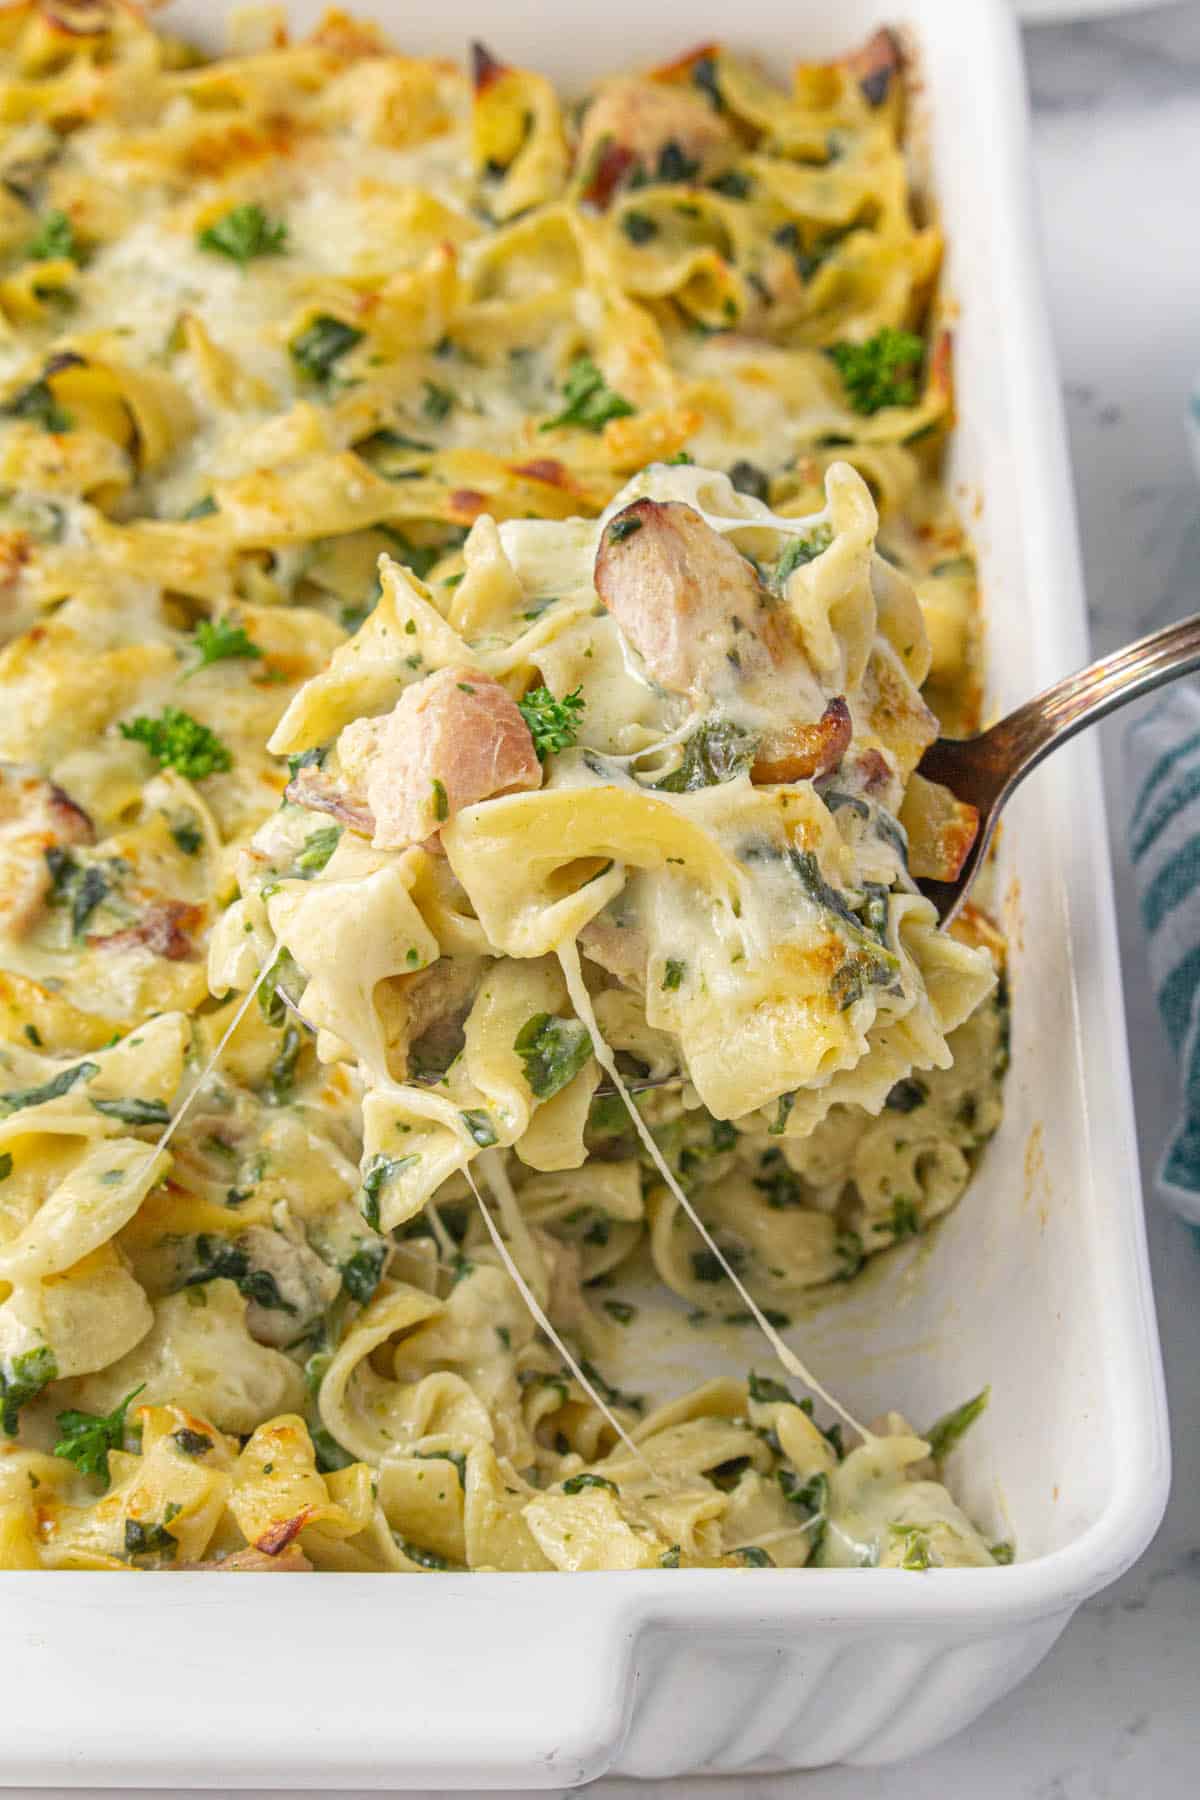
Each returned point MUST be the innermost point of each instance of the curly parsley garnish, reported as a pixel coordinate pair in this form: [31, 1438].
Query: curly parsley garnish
[177, 741]
[884, 371]
[553, 724]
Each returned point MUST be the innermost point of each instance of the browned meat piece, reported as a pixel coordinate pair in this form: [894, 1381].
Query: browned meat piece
[875, 64]
[451, 740]
[654, 126]
[683, 597]
[36, 816]
[699, 617]
[165, 930]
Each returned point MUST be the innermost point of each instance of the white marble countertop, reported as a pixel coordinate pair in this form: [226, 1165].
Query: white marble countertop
[1112, 1714]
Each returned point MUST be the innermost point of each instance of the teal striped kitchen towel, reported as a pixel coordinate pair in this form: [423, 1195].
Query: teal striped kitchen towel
[1164, 847]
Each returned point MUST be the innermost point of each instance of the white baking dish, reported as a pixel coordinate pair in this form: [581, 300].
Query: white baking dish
[1038, 1283]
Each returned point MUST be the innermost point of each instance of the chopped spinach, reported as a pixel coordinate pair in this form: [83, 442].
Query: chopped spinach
[575, 1484]
[319, 846]
[800, 550]
[766, 1390]
[192, 1443]
[282, 1073]
[329, 1453]
[219, 1260]
[379, 1171]
[134, 1112]
[638, 226]
[424, 1559]
[949, 1430]
[748, 478]
[362, 1272]
[719, 751]
[479, 1123]
[81, 887]
[321, 345]
[22, 1379]
[907, 1095]
[143, 1538]
[457, 1457]
[54, 1089]
[553, 1051]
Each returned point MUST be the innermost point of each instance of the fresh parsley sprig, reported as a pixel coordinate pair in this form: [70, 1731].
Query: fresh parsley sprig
[244, 233]
[553, 724]
[883, 371]
[178, 741]
[85, 1438]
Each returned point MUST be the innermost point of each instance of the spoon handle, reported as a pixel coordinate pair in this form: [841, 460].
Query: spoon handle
[1018, 742]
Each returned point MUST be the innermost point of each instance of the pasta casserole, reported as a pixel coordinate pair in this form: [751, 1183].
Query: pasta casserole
[478, 585]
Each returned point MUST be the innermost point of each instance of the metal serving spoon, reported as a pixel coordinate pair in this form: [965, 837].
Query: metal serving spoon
[984, 771]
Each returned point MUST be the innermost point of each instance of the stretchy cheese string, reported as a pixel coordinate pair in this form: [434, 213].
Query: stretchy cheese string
[514, 1272]
[487, 1163]
[209, 1067]
[581, 1000]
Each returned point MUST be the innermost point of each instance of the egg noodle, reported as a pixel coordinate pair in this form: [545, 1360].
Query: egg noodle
[476, 585]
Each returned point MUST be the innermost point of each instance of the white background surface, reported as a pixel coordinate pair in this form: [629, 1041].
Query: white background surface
[1114, 1714]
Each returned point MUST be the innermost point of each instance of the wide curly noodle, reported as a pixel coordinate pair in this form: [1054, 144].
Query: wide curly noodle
[277, 331]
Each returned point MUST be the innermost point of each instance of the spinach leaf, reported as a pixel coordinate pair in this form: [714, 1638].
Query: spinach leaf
[321, 345]
[22, 1379]
[379, 1171]
[553, 1051]
[948, 1431]
[575, 1484]
[143, 1538]
[54, 1089]
[219, 1260]
[134, 1112]
[717, 752]
[362, 1272]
